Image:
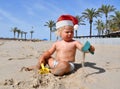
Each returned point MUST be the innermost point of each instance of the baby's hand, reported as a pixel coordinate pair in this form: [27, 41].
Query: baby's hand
[92, 48]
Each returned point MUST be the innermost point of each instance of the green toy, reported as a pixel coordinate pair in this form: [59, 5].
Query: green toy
[86, 47]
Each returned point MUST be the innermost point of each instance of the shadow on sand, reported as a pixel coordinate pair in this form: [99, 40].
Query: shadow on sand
[91, 65]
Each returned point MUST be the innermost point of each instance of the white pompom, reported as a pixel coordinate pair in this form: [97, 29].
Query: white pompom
[75, 27]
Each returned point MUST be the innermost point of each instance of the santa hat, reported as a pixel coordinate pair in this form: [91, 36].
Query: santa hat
[64, 20]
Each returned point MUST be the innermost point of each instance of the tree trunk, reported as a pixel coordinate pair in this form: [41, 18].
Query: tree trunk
[90, 29]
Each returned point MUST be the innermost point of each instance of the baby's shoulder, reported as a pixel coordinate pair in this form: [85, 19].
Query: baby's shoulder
[56, 43]
[76, 41]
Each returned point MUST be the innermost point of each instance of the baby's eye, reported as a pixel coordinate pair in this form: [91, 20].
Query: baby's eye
[66, 31]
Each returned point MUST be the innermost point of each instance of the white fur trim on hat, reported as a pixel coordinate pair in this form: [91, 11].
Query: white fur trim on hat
[64, 23]
[76, 27]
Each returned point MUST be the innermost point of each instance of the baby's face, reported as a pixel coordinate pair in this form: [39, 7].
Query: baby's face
[67, 33]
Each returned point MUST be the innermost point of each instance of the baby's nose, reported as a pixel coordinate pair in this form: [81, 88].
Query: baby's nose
[69, 33]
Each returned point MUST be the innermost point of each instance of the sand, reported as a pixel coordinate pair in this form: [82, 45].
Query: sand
[101, 71]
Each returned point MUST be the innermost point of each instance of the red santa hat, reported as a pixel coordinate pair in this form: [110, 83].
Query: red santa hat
[64, 20]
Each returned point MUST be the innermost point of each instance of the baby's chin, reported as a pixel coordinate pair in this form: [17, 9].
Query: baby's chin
[68, 40]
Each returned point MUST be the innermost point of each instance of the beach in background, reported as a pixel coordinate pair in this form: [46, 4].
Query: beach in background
[101, 71]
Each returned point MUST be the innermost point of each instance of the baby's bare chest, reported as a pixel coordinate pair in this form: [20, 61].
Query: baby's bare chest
[69, 47]
[64, 47]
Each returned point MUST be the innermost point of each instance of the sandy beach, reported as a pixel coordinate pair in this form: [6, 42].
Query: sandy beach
[101, 71]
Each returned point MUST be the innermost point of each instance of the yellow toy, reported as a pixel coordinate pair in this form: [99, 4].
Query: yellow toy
[44, 70]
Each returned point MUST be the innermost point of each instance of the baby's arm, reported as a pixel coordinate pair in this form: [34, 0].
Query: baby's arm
[85, 49]
[79, 45]
[46, 55]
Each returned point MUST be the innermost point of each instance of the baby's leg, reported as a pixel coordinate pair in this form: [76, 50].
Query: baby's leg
[61, 68]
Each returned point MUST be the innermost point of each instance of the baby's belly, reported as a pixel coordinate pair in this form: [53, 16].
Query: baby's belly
[65, 59]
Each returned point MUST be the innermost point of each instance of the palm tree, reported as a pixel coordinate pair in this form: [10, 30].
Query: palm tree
[116, 19]
[51, 25]
[106, 9]
[80, 22]
[31, 33]
[100, 26]
[18, 31]
[14, 30]
[25, 34]
[89, 14]
[22, 32]
[112, 26]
